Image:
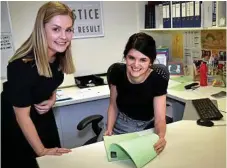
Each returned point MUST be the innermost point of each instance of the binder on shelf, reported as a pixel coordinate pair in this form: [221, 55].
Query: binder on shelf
[178, 14]
[168, 12]
[206, 20]
[158, 16]
[191, 14]
[152, 13]
[221, 14]
[174, 14]
[202, 13]
[183, 14]
[146, 26]
[148, 17]
[187, 7]
[214, 3]
[197, 12]
[164, 11]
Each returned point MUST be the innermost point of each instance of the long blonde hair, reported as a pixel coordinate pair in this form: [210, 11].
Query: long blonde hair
[37, 43]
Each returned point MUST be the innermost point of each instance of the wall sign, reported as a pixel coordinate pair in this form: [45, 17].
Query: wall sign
[89, 18]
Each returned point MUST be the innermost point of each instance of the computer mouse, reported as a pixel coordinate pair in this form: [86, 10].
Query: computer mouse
[205, 122]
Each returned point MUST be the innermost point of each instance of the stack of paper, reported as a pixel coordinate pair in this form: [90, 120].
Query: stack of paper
[135, 146]
[61, 96]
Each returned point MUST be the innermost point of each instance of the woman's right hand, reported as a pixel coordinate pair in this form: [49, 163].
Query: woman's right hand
[54, 151]
[108, 133]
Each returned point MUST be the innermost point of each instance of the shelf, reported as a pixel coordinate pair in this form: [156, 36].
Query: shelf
[184, 29]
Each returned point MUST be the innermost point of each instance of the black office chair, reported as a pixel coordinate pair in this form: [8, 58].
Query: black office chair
[94, 121]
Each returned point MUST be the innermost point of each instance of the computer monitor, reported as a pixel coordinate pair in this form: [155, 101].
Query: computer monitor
[161, 58]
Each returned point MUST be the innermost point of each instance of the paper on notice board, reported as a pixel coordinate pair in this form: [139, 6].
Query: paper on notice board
[160, 59]
[6, 42]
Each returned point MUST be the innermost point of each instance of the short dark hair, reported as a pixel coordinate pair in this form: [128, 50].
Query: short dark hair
[143, 43]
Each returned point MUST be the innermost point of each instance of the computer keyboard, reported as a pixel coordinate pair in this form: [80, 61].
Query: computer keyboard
[206, 109]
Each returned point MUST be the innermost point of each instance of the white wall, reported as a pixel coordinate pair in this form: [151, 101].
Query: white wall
[92, 55]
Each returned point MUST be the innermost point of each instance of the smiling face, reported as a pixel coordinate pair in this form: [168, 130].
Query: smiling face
[137, 65]
[59, 34]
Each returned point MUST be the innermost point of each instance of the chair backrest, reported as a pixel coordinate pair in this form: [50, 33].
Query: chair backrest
[94, 121]
[118, 64]
[162, 68]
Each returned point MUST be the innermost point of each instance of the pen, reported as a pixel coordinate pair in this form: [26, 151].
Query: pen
[194, 87]
[64, 99]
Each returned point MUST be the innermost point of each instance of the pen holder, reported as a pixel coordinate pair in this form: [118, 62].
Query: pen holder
[224, 79]
[219, 80]
[224, 74]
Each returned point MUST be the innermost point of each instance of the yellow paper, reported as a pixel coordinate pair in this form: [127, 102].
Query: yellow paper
[177, 45]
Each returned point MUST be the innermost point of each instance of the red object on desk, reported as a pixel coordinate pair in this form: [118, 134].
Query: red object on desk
[220, 66]
[203, 74]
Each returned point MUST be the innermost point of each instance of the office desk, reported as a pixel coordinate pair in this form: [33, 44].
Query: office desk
[95, 100]
[101, 92]
[188, 146]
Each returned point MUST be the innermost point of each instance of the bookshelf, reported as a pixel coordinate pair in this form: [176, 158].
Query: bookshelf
[182, 29]
[212, 17]
[184, 15]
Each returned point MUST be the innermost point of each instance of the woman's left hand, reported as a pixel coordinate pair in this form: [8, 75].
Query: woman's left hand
[44, 106]
[160, 145]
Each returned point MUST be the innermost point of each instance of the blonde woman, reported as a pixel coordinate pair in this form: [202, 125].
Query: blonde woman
[34, 73]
